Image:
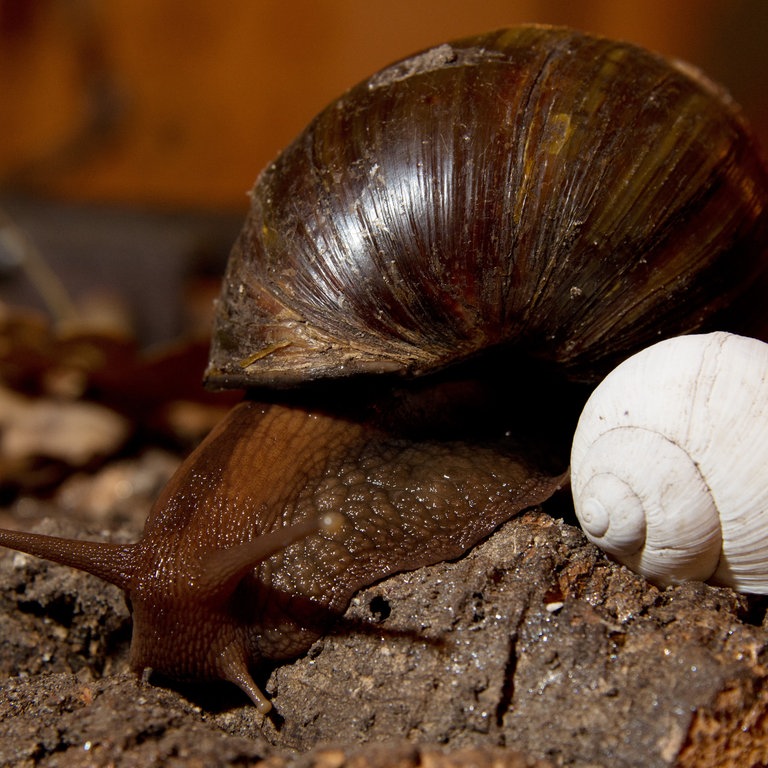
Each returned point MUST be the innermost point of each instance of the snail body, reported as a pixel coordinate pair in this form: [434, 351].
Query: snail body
[668, 462]
[530, 193]
[272, 524]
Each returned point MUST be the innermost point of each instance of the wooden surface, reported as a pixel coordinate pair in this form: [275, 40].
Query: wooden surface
[182, 102]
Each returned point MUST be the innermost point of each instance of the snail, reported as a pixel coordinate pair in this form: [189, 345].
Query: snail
[530, 201]
[668, 466]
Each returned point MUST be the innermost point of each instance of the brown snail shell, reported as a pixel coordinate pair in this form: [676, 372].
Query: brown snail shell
[578, 196]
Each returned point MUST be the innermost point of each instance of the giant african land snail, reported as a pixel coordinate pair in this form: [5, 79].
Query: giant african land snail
[535, 191]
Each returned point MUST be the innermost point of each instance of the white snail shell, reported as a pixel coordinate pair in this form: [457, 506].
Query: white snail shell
[669, 464]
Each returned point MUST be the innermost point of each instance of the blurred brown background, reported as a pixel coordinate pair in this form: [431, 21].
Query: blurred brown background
[114, 114]
[181, 102]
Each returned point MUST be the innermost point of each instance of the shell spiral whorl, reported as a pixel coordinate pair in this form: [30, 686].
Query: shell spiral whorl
[668, 462]
[567, 194]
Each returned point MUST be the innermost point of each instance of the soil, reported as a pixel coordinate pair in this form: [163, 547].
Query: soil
[533, 649]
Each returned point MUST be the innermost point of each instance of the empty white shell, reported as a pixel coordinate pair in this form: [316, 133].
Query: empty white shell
[669, 464]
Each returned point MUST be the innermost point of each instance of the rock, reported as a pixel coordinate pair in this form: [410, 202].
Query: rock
[533, 647]
[537, 642]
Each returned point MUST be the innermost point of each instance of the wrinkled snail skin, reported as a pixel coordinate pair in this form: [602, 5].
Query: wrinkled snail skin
[264, 534]
[574, 196]
[668, 462]
[546, 198]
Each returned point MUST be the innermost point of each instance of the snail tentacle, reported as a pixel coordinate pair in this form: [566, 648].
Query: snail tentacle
[114, 563]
